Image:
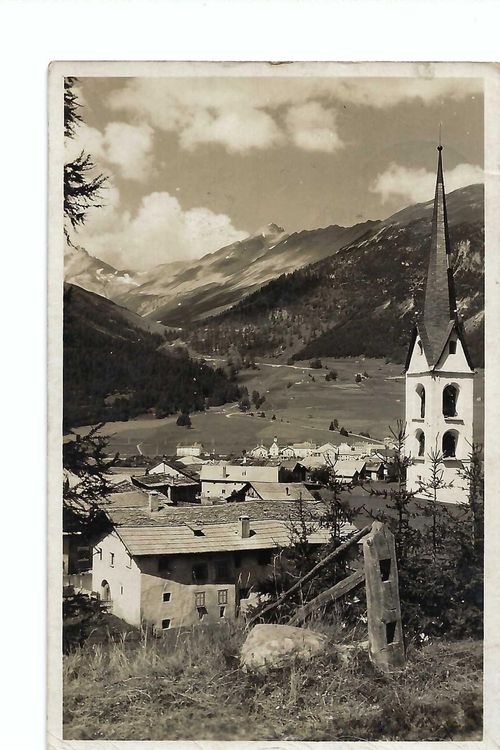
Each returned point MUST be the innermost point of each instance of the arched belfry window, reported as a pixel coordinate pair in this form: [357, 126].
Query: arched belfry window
[450, 398]
[421, 399]
[420, 442]
[450, 444]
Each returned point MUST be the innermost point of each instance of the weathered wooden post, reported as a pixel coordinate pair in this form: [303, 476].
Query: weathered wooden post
[385, 632]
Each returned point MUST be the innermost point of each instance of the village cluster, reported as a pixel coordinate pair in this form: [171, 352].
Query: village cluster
[200, 525]
[190, 537]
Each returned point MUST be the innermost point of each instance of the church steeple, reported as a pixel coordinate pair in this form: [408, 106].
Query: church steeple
[439, 380]
[440, 302]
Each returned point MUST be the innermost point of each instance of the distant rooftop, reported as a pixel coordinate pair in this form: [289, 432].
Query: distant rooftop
[278, 491]
[161, 480]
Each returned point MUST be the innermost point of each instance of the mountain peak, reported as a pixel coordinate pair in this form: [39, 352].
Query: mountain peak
[274, 229]
[269, 230]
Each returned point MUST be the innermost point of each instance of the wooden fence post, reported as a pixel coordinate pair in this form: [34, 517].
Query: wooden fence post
[385, 632]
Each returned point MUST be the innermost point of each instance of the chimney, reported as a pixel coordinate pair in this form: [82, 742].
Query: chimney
[245, 527]
[154, 502]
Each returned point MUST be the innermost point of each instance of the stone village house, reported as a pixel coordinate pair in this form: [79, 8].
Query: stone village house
[174, 567]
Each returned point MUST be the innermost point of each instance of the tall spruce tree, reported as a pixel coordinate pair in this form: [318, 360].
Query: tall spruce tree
[83, 183]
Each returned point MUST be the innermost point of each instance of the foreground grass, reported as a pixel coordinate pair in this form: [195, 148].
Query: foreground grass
[189, 686]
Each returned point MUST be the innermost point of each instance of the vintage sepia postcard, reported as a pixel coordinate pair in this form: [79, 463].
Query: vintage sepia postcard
[269, 453]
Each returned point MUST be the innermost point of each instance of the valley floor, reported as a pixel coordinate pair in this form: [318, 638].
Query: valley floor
[302, 401]
[190, 686]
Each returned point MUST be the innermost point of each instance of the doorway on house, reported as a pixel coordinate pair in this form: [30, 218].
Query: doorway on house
[105, 592]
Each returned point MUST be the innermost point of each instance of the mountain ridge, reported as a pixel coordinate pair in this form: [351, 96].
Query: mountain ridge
[117, 365]
[358, 301]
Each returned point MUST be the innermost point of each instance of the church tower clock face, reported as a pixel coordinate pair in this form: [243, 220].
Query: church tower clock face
[439, 384]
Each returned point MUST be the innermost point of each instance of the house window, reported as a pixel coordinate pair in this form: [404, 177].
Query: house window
[450, 444]
[222, 611]
[222, 570]
[112, 559]
[223, 492]
[121, 589]
[165, 624]
[167, 596]
[450, 397]
[265, 557]
[200, 572]
[84, 558]
[199, 599]
[452, 347]
[129, 560]
[99, 552]
[421, 442]
[421, 399]
[420, 347]
[222, 596]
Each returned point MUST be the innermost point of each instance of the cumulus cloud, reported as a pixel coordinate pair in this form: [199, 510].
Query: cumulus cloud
[243, 113]
[312, 127]
[160, 231]
[126, 147]
[416, 185]
[239, 131]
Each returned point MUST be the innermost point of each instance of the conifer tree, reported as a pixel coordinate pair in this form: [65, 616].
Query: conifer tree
[83, 184]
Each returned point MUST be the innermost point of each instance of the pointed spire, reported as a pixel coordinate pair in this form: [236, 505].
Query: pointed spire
[440, 303]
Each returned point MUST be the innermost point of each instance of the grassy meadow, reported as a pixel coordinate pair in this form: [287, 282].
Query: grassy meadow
[303, 402]
[189, 686]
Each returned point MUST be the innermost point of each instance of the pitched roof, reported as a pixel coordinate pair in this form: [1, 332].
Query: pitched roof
[371, 465]
[172, 463]
[216, 538]
[291, 463]
[348, 468]
[202, 515]
[162, 480]
[273, 491]
[170, 530]
[313, 462]
[131, 499]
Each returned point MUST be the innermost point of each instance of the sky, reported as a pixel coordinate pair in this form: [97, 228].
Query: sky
[197, 163]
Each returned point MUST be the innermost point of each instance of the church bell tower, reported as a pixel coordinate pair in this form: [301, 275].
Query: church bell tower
[439, 372]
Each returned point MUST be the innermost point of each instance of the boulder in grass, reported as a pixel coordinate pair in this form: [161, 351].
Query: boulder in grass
[274, 646]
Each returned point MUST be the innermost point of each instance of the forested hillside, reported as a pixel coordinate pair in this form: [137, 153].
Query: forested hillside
[366, 297]
[116, 366]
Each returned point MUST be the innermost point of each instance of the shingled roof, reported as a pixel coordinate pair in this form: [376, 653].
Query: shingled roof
[276, 491]
[171, 530]
[202, 515]
[225, 537]
[162, 480]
